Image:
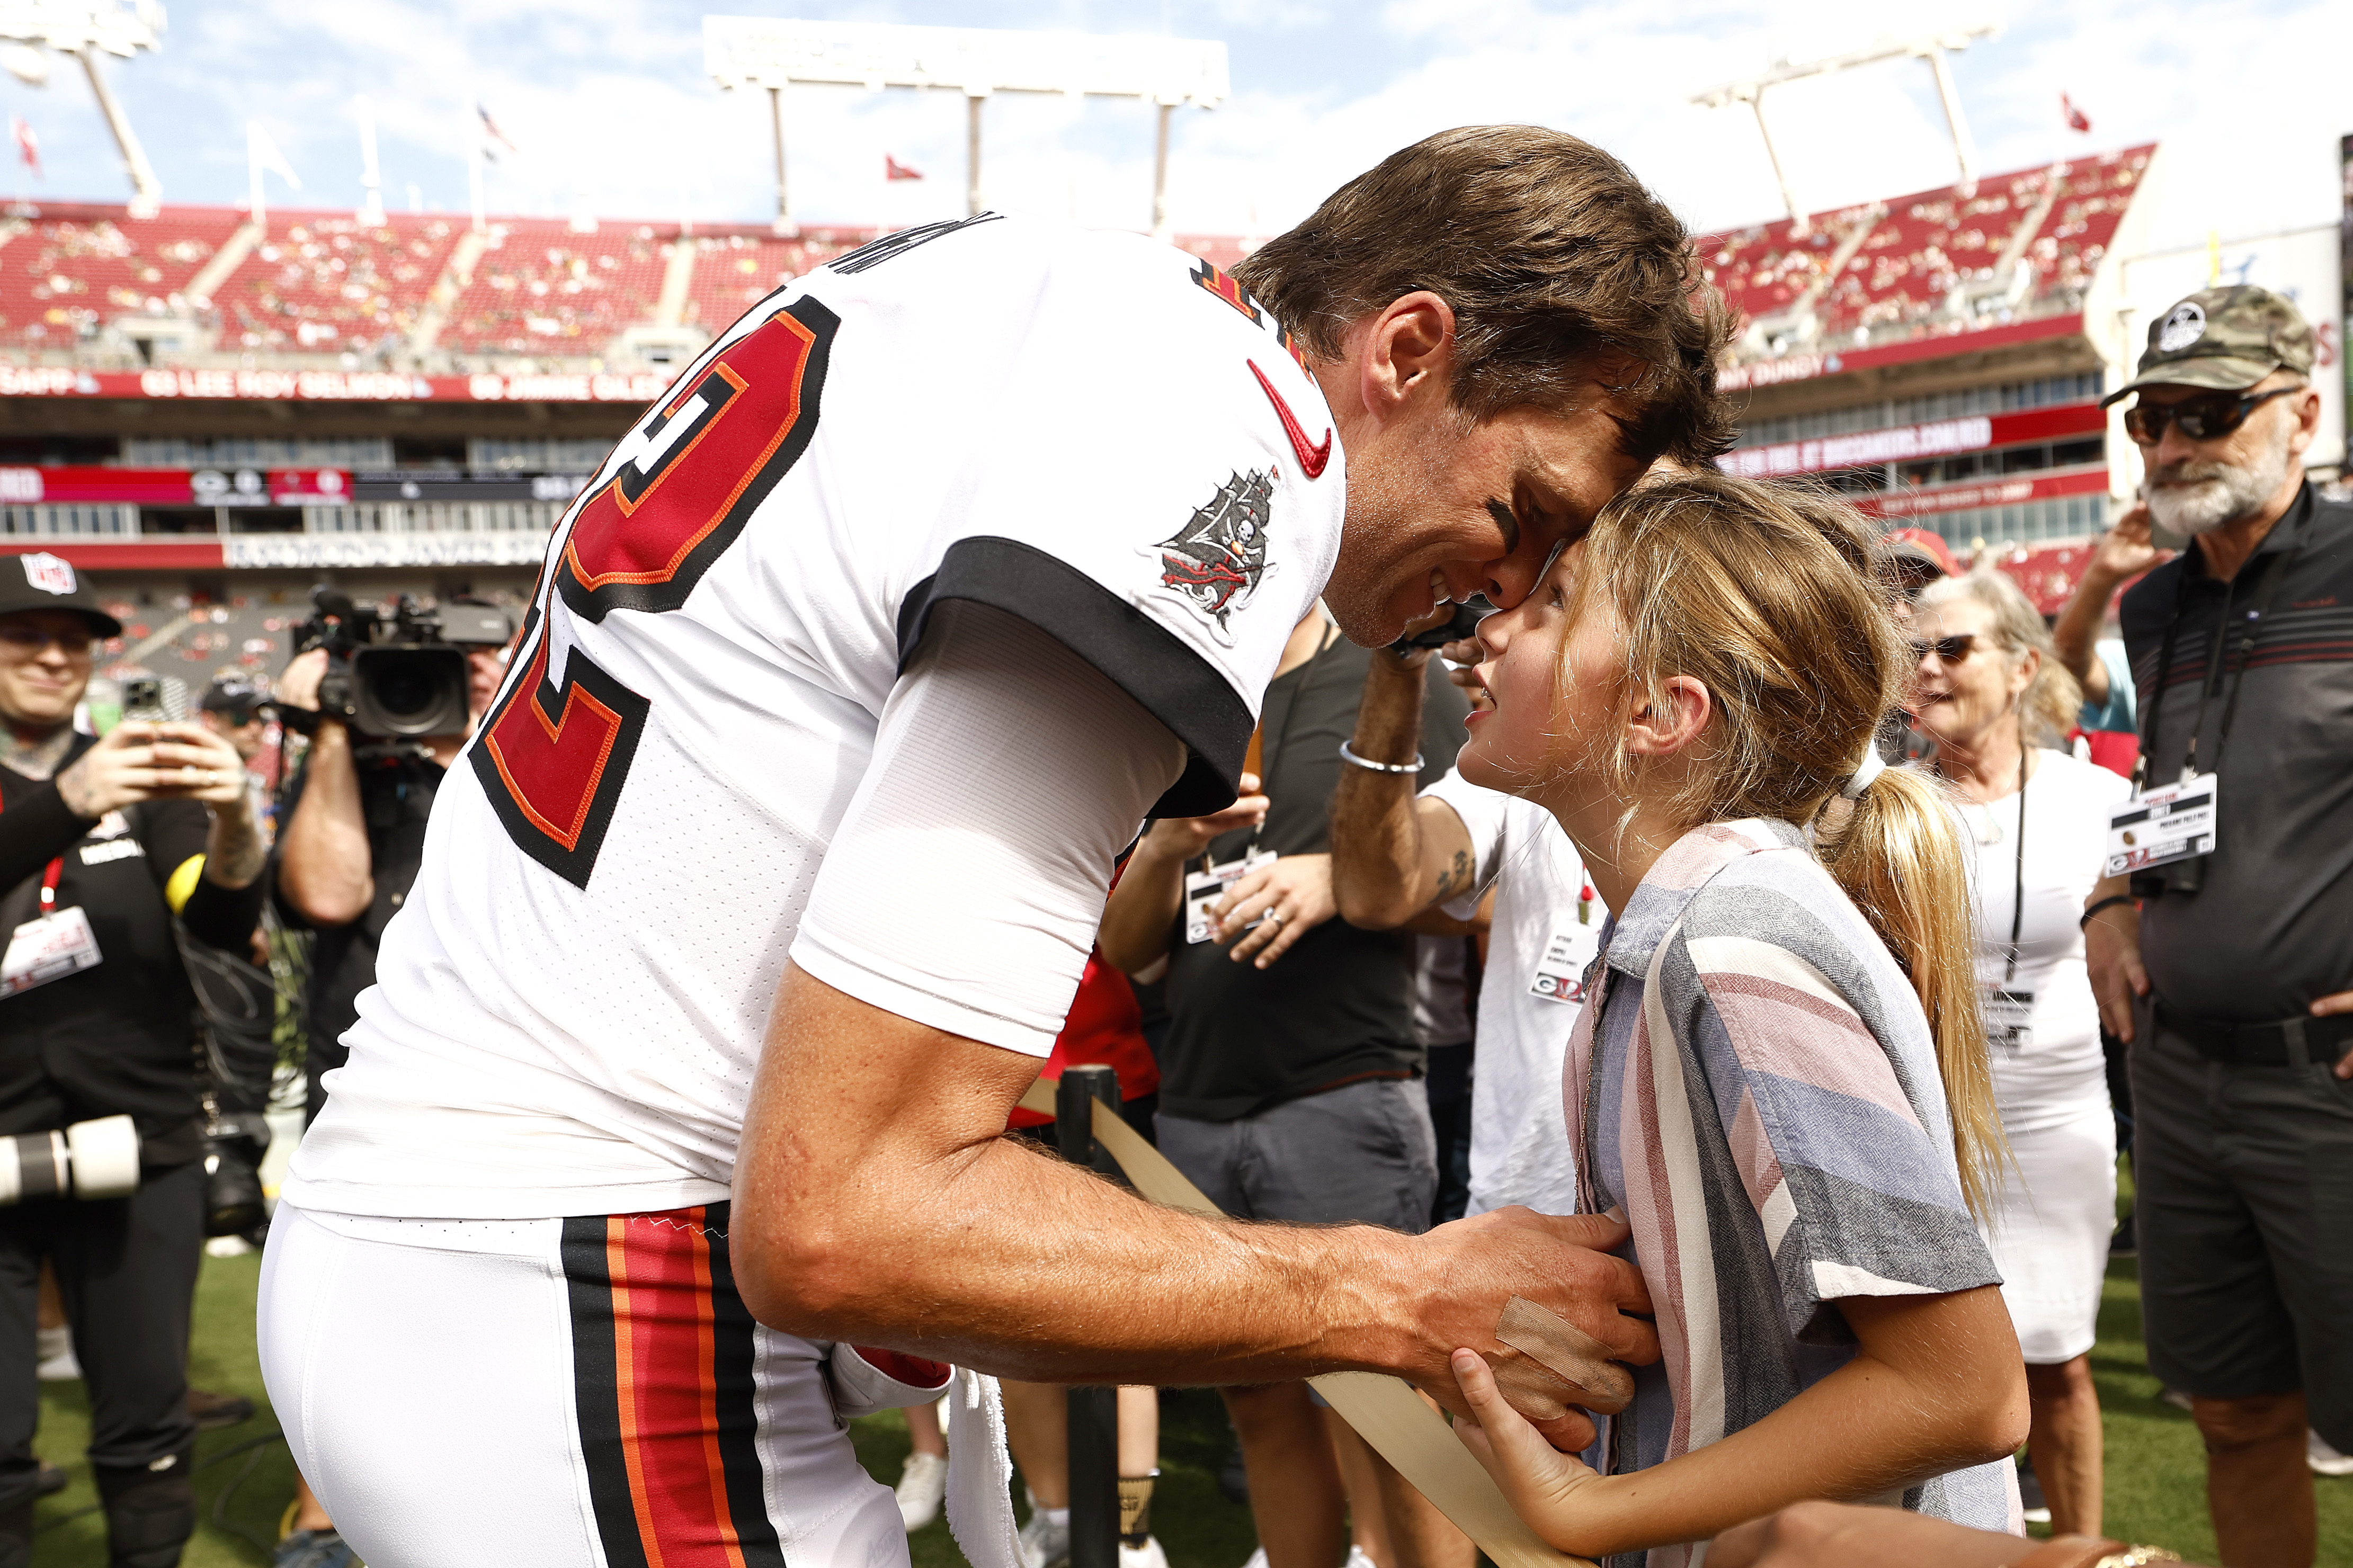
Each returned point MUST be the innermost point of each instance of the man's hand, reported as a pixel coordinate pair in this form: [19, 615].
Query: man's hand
[1848, 1535]
[2125, 549]
[1463, 669]
[1561, 1262]
[2338, 1002]
[1294, 895]
[1183, 837]
[298, 686]
[138, 761]
[2112, 953]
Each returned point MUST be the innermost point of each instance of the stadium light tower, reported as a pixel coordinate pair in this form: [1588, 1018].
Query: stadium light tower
[760, 51]
[85, 29]
[1930, 47]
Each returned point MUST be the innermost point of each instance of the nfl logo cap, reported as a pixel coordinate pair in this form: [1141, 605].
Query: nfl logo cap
[2226, 339]
[40, 581]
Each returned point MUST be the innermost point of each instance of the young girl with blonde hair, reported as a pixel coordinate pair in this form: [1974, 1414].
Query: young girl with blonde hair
[1779, 1075]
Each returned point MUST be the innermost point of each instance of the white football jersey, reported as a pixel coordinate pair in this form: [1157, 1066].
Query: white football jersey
[1094, 432]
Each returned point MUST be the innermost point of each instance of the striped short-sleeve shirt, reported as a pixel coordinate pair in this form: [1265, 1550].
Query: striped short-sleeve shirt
[1756, 1086]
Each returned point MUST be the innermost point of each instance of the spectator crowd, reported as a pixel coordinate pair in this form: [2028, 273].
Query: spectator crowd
[1658, 943]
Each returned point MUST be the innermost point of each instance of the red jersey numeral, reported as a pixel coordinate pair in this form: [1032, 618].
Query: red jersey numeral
[553, 759]
[704, 464]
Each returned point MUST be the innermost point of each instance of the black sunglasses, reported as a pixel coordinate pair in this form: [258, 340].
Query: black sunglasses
[28, 641]
[2208, 417]
[1950, 650]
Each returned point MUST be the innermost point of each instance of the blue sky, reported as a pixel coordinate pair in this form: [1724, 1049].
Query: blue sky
[608, 101]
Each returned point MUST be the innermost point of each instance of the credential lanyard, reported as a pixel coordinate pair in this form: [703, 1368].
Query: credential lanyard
[2018, 891]
[1269, 755]
[49, 880]
[2215, 661]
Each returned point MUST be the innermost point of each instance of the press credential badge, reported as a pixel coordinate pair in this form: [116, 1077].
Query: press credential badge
[2172, 822]
[1560, 972]
[1204, 889]
[2009, 1017]
[48, 948]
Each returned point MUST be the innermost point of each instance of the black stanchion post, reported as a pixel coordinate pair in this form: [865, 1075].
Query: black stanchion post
[1095, 1412]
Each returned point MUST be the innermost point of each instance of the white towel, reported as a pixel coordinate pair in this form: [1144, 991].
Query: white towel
[980, 1473]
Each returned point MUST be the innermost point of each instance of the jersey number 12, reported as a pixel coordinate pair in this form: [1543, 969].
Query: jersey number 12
[553, 759]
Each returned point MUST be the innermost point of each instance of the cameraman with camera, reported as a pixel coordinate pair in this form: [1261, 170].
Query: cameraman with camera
[387, 697]
[103, 843]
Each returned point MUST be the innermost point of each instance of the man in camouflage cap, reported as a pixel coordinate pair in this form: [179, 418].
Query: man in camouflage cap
[2231, 978]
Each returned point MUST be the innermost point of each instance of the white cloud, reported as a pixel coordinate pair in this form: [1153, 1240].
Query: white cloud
[608, 96]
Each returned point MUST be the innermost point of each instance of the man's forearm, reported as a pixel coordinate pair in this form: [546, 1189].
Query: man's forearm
[1376, 837]
[881, 1205]
[1134, 931]
[2076, 633]
[234, 853]
[325, 867]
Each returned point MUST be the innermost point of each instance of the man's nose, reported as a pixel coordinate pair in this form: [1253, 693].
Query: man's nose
[2173, 447]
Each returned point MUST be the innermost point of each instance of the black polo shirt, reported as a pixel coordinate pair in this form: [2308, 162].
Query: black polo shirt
[119, 1038]
[2272, 928]
[1338, 1004]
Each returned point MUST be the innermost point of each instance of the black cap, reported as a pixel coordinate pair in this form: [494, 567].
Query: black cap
[40, 581]
[232, 694]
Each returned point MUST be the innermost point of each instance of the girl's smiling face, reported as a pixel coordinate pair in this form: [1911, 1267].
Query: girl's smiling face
[1554, 668]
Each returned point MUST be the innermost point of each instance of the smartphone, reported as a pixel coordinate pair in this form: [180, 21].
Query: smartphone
[143, 699]
[1465, 623]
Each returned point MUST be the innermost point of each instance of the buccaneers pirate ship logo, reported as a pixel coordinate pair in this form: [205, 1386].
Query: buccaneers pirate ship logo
[1215, 560]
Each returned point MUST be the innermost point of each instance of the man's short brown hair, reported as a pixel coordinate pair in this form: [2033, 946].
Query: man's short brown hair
[1561, 270]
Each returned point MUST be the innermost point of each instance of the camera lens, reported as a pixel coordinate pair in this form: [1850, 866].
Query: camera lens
[405, 690]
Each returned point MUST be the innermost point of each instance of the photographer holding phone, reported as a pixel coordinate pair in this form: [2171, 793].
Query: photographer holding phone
[103, 844]
[2232, 979]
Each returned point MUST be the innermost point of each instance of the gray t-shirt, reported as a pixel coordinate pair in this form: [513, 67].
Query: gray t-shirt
[2272, 928]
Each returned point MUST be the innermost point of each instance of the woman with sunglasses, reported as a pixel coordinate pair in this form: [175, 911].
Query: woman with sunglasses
[1990, 694]
[104, 845]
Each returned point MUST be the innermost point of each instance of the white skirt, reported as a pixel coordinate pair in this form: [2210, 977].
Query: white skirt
[2050, 1227]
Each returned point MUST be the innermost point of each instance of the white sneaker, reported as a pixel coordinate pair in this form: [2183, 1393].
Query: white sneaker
[1359, 1558]
[1256, 1559]
[1148, 1555]
[2323, 1459]
[1046, 1540]
[922, 1484]
[57, 1354]
[2176, 1398]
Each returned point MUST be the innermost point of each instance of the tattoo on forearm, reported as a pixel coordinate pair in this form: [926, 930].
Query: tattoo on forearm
[235, 854]
[1456, 878]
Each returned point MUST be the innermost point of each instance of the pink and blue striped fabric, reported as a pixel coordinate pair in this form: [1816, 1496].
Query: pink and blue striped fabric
[1755, 1084]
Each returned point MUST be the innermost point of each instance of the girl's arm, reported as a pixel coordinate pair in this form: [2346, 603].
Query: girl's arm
[1938, 1386]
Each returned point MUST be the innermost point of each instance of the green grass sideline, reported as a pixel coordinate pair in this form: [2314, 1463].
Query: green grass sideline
[2156, 1489]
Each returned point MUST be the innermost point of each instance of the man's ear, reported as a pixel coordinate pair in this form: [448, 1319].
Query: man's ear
[1407, 352]
[1670, 725]
[2306, 403]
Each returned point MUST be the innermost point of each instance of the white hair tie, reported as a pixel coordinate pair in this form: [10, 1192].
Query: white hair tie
[1873, 765]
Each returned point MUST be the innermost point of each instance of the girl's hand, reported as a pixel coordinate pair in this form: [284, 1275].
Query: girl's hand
[1556, 1493]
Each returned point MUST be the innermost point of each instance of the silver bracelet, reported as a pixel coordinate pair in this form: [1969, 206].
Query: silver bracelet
[1347, 754]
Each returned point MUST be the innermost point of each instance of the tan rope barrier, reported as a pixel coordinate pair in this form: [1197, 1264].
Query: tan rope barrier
[1387, 1412]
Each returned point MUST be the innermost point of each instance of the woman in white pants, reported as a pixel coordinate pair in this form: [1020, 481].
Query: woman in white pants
[1988, 689]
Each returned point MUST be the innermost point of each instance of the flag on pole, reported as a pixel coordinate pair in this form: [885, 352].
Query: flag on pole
[265, 156]
[894, 170]
[28, 146]
[2076, 119]
[491, 133]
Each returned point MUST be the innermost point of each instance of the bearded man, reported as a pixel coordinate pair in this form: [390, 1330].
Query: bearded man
[2234, 978]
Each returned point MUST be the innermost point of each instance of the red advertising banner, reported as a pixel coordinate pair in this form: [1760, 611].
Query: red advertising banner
[176, 487]
[1904, 443]
[329, 385]
[1992, 492]
[1807, 366]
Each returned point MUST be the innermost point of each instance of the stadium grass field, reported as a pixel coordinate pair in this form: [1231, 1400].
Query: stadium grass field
[2157, 1489]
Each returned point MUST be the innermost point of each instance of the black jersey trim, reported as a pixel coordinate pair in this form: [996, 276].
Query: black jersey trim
[1148, 662]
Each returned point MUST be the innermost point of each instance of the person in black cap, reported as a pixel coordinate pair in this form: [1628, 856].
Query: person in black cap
[2230, 976]
[102, 843]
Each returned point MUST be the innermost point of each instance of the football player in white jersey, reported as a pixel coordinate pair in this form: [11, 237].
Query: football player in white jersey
[770, 875]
